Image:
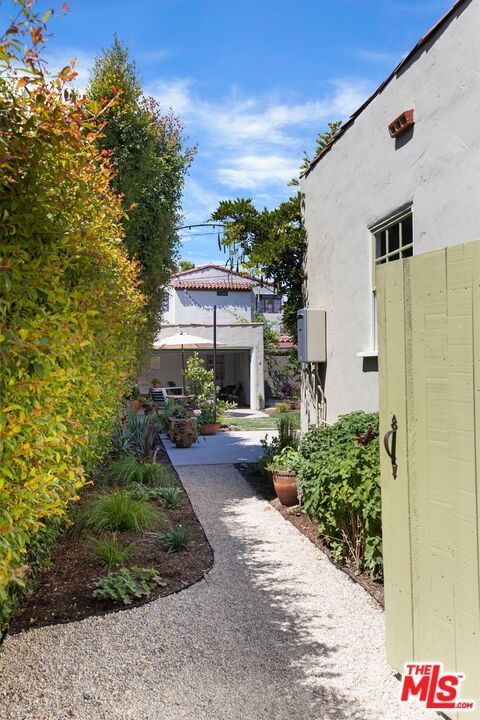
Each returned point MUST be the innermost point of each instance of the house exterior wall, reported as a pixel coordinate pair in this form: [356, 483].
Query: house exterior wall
[197, 306]
[367, 176]
[246, 367]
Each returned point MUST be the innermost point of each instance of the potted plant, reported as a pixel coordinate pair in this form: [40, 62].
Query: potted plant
[284, 476]
[135, 401]
[147, 404]
[183, 427]
[207, 421]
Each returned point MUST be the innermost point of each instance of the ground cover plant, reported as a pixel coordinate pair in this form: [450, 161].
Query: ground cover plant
[128, 584]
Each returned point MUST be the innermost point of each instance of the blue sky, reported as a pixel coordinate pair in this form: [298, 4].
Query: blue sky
[254, 80]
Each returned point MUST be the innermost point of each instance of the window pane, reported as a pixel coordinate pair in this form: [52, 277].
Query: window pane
[393, 239]
[407, 252]
[380, 243]
[407, 231]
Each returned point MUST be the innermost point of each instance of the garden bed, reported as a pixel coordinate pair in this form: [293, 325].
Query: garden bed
[264, 489]
[64, 592]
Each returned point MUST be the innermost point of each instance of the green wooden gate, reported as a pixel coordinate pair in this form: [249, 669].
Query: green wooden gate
[429, 364]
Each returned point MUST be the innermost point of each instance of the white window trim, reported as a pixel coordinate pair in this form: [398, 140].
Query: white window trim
[397, 217]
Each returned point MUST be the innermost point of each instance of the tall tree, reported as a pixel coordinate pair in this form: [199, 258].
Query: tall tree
[272, 243]
[148, 153]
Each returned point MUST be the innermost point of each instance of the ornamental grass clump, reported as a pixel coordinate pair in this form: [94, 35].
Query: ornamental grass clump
[118, 511]
[108, 550]
[173, 539]
[129, 469]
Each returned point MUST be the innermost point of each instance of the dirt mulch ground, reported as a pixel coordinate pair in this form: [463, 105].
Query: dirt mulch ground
[64, 592]
[264, 489]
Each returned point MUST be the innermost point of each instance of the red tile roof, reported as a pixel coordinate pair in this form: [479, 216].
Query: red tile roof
[457, 7]
[226, 271]
[285, 341]
[210, 285]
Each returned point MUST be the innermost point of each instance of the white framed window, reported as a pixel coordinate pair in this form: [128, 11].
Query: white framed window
[392, 240]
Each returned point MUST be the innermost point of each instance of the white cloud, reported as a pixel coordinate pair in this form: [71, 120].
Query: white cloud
[252, 171]
[232, 121]
[380, 57]
[157, 55]
[173, 94]
[57, 58]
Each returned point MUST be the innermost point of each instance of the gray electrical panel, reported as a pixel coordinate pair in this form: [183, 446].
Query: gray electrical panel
[311, 334]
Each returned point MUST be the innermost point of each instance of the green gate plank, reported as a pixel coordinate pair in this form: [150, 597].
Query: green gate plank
[463, 437]
[395, 500]
[428, 450]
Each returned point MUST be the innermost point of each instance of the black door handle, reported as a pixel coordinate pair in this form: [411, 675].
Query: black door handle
[392, 451]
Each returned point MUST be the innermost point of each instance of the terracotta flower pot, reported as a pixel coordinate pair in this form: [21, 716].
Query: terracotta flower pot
[135, 405]
[182, 432]
[285, 484]
[209, 428]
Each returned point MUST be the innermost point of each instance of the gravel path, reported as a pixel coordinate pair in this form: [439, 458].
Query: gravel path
[275, 632]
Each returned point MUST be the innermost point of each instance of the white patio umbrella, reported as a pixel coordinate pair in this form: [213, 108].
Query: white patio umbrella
[182, 341]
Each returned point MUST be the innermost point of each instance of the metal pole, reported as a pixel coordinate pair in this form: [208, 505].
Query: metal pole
[215, 361]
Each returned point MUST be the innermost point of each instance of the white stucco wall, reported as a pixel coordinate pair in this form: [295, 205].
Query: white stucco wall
[246, 367]
[367, 176]
[197, 306]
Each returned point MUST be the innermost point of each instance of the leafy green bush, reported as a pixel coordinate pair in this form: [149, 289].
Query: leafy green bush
[118, 511]
[71, 313]
[108, 550]
[340, 480]
[282, 407]
[287, 459]
[173, 539]
[128, 584]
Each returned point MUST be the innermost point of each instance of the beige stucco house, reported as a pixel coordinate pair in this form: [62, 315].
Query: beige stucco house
[392, 184]
[188, 308]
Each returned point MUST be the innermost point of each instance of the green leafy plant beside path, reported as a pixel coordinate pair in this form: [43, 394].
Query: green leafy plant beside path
[128, 584]
[339, 475]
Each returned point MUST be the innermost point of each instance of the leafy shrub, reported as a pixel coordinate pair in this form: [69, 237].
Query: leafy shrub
[72, 310]
[287, 459]
[173, 539]
[108, 550]
[128, 469]
[118, 511]
[282, 407]
[128, 584]
[339, 477]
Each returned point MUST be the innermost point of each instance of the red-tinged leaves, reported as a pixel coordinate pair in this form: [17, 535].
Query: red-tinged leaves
[36, 34]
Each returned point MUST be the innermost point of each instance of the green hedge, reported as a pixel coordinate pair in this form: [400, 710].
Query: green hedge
[72, 311]
[340, 480]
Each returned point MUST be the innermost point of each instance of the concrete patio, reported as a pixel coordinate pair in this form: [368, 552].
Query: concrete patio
[220, 449]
